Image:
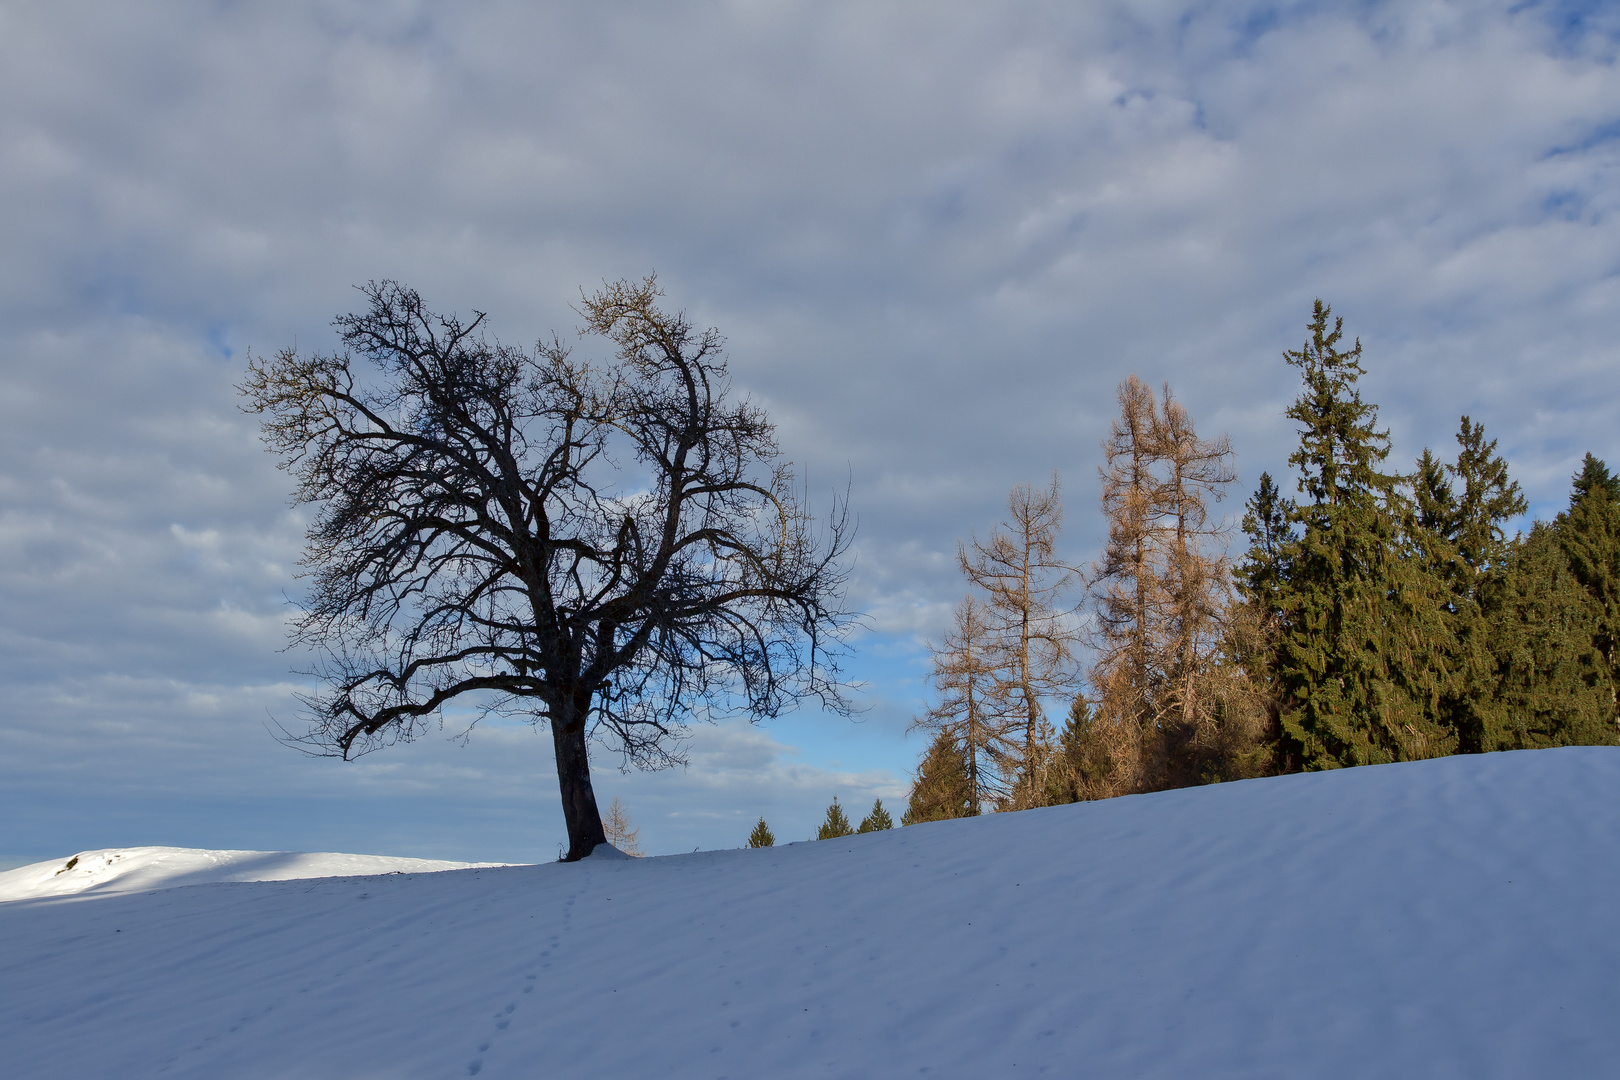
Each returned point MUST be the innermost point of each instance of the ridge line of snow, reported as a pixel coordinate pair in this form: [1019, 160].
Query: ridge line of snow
[118, 871]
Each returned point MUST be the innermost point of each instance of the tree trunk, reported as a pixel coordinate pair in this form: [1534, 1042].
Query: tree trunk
[974, 739]
[574, 779]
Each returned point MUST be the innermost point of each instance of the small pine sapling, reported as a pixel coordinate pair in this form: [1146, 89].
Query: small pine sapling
[837, 823]
[877, 820]
[943, 788]
[762, 835]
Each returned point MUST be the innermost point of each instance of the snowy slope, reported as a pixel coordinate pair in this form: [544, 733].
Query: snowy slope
[1453, 918]
[126, 870]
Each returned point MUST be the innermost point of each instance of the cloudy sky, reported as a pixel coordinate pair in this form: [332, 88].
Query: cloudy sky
[936, 236]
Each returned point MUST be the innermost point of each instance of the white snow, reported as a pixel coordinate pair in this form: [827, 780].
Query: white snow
[143, 869]
[1452, 918]
[607, 852]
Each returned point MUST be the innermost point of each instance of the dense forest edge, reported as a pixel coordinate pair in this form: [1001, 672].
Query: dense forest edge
[1374, 616]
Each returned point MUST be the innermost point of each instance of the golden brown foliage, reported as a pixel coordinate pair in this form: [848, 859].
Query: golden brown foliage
[1175, 703]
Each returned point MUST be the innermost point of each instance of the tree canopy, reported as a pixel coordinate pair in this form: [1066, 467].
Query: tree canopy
[611, 549]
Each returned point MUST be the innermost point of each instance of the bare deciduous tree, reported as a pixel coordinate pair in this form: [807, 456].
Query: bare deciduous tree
[1197, 573]
[1160, 592]
[1021, 576]
[973, 706]
[611, 550]
[620, 833]
[1126, 589]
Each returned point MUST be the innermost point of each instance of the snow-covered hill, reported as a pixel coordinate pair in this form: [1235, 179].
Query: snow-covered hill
[1453, 918]
[127, 870]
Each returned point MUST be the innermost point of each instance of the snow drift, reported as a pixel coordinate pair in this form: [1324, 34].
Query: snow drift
[125, 870]
[1447, 918]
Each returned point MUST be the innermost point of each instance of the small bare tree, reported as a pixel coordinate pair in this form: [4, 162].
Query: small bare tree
[1022, 578]
[620, 833]
[973, 706]
[612, 550]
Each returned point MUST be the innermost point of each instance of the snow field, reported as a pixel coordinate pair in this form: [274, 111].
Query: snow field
[1446, 918]
[126, 870]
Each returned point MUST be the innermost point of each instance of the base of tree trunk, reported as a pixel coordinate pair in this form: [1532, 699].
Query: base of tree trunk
[580, 813]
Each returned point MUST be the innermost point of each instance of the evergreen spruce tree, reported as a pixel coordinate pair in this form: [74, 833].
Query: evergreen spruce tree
[877, 820]
[1435, 502]
[1360, 638]
[1487, 501]
[1264, 569]
[1594, 477]
[1081, 762]
[762, 835]
[1461, 534]
[942, 789]
[1590, 536]
[1458, 539]
[1431, 526]
[836, 825]
[1550, 684]
[1252, 626]
[1418, 653]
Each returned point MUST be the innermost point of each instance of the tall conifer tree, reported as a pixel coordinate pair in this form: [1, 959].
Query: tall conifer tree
[1590, 536]
[1359, 627]
[1487, 501]
[1456, 534]
[1549, 684]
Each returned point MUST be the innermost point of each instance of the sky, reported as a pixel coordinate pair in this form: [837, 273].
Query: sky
[936, 238]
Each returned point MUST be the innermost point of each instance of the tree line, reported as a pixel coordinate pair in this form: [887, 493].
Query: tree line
[1374, 616]
[834, 825]
[613, 548]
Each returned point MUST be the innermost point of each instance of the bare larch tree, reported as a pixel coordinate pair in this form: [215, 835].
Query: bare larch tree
[613, 550]
[1160, 589]
[1125, 588]
[1022, 579]
[620, 832]
[973, 706]
[1198, 574]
